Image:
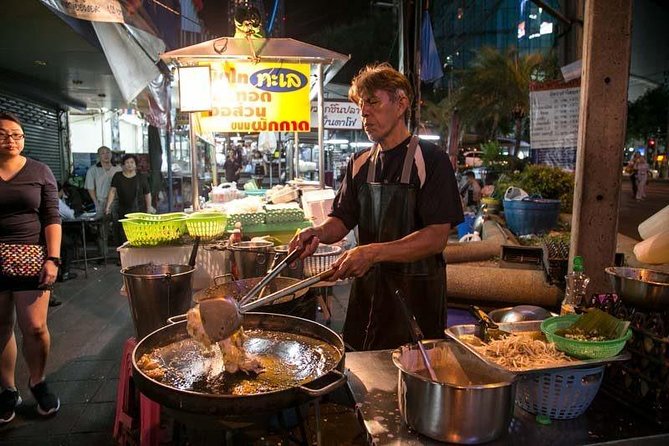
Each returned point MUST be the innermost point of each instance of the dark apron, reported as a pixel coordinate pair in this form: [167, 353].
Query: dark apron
[374, 319]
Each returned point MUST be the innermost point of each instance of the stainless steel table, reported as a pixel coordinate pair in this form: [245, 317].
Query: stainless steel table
[373, 384]
[83, 221]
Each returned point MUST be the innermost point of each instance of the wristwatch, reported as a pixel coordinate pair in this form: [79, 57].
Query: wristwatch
[55, 260]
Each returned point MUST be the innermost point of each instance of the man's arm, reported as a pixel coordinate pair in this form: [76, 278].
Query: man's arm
[420, 244]
[330, 231]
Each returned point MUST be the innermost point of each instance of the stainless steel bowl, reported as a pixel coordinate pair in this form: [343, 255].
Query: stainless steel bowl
[519, 313]
[641, 287]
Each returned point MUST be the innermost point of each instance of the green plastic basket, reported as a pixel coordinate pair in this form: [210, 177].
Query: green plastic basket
[155, 217]
[581, 349]
[151, 233]
[206, 225]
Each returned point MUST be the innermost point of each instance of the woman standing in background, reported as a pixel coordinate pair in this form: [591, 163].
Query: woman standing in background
[29, 224]
[134, 194]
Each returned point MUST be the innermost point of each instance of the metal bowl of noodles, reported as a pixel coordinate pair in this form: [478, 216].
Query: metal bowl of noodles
[641, 287]
[519, 313]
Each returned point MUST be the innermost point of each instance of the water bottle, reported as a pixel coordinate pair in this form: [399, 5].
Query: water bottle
[576, 282]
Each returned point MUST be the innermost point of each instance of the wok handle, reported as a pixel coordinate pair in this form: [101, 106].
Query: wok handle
[176, 319]
[315, 393]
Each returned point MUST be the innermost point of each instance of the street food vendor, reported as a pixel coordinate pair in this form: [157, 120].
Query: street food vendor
[403, 197]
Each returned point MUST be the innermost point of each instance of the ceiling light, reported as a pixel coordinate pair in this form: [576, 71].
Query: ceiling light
[429, 137]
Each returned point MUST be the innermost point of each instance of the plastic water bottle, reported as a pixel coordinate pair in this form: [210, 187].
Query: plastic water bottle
[576, 282]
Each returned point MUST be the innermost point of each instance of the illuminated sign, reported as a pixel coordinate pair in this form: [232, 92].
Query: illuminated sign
[263, 97]
[342, 115]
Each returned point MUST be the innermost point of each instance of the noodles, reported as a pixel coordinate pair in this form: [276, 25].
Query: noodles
[521, 352]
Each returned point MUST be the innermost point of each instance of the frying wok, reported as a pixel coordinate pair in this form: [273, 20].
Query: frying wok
[303, 360]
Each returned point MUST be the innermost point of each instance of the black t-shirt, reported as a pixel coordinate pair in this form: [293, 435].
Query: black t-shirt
[28, 203]
[130, 192]
[438, 201]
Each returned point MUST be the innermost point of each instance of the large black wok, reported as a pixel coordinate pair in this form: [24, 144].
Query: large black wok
[311, 356]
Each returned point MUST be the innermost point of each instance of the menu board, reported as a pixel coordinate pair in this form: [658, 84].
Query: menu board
[554, 117]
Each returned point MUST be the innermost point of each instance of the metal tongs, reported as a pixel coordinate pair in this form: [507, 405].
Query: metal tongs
[416, 333]
[486, 329]
[222, 316]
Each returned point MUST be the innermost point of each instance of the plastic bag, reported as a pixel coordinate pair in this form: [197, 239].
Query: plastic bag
[515, 193]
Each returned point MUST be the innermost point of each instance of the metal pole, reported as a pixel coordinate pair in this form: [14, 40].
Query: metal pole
[168, 154]
[297, 154]
[321, 155]
[400, 36]
[193, 164]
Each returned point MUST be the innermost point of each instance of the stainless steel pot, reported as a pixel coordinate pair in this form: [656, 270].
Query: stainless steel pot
[472, 402]
[252, 259]
[641, 287]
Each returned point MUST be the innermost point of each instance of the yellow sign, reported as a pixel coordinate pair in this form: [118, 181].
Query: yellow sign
[263, 97]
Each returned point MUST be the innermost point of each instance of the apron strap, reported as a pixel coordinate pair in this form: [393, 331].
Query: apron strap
[406, 167]
[408, 160]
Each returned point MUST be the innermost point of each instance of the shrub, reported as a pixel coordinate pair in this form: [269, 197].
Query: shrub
[547, 181]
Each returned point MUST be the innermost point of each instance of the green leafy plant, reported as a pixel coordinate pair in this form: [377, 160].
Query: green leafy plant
[547, 181]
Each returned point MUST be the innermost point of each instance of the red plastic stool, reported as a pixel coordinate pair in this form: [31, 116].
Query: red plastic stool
[126, 407]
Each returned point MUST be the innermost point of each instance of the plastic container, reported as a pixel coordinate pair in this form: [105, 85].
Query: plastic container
[474, 237]
[321, 260]
[655, 224]
[467, 226]
[581, 349]
[576, 284]
[655, 249]
[152, 233]
[206, 226]
[531, 215]
[560, 395]
[155, 217]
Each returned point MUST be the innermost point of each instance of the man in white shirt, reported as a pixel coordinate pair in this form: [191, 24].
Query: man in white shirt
[67, 240]
[98, 183]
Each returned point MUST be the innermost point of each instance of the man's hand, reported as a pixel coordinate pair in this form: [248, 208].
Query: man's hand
[353, 263]
[307, 240]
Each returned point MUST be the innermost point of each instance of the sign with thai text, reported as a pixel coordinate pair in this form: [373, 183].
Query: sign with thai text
[554, 115]
[262, 97]
[343, 115]
[92, 10]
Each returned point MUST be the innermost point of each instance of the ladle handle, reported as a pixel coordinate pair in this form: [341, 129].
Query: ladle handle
[414, 328]
[482, 317]
[271, 274]
[287, 291]
[416, 333]
[193, 253]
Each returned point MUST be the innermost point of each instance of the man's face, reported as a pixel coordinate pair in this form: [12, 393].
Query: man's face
[381, 114]
[105, 155]
[11, 138]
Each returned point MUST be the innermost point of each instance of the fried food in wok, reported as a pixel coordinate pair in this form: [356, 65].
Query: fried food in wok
[235, 358]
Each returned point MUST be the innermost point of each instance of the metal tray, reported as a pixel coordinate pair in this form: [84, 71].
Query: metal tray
[457, 331]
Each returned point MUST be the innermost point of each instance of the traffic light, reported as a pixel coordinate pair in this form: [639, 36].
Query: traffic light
[651, 144]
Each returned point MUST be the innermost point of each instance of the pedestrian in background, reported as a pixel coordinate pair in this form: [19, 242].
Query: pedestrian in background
[641, 167]
[631, 169]
[134, 194]
[30, 235]
[98, 183]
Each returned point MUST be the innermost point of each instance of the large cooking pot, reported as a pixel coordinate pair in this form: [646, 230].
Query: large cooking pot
[640, 287]
[304, 360]
[472, 402]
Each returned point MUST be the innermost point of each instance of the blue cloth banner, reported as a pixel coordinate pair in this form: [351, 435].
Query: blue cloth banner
[430, 65]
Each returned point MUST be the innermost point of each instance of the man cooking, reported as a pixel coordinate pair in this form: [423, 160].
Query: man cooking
[403, 197]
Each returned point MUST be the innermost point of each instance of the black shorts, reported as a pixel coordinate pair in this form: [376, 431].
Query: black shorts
[19, 284]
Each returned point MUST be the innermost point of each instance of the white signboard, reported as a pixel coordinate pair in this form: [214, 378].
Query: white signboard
[343, 115]
[554, 126]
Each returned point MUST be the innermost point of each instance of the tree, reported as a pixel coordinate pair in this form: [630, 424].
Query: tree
[647, 116]
[494, 91]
